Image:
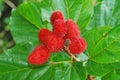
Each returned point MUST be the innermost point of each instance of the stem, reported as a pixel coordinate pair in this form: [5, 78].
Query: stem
[89, 77]
[68, 51]
[11, 43]
[60, 62]
[9, 3]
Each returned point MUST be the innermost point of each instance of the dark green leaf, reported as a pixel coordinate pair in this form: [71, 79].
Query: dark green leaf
[101, 69]
[78, 72]
[1, 7]
[14, 66]
[102, 43]
[113, 75]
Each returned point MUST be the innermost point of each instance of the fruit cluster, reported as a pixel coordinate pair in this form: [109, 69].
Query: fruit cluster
[54, 41]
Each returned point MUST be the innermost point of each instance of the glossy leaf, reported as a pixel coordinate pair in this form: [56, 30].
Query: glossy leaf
[30, 16]
[14, 62]
[85, 14]
[102, 42]
[105, 42]
[101, 69]
[78, 10]
[113, 75]
[22, 30]
[31, 12]
[104, 53]
[106, 13]
[13, 65]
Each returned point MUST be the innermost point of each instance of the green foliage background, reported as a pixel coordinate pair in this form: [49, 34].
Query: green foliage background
[99, 22]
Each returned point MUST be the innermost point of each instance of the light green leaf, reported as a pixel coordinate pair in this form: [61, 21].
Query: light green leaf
[85, 14]
[29, 17]
[106, 13]
[31, 12]
[80, 11]
[25, 30]
[103, 44]
[69, 8]
[22, 30]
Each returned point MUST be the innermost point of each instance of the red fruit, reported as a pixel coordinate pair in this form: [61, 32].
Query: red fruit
[72, 29]
[77, 45]
[39, 55]
[54, 43]
[59, 28]
[43, 33]
[56, 15]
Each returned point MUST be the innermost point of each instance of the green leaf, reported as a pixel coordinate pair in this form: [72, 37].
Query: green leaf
[70, 71]
[103, 44]
[1, 7]
[25, 30]
[29, 17]
[22, 30]
[31, 12]
[78, 10]
[85, 14]
[99, 0]
[14, 66]
[60, 56]
[104, 53]
[101, 69]
[113, 75]
[78, 72]
[106, 13]
[69, 8]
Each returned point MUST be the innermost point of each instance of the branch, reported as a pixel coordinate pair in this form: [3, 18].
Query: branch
[68, 51]
[89, 77]
[9, 3]
[60, 62]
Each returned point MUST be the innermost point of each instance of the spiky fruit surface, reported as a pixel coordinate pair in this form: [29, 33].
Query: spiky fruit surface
[39, 55]
[56, 15]
[42, 34]
[72, 29]
[77, 45]
[59, 28]
[54, 43]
